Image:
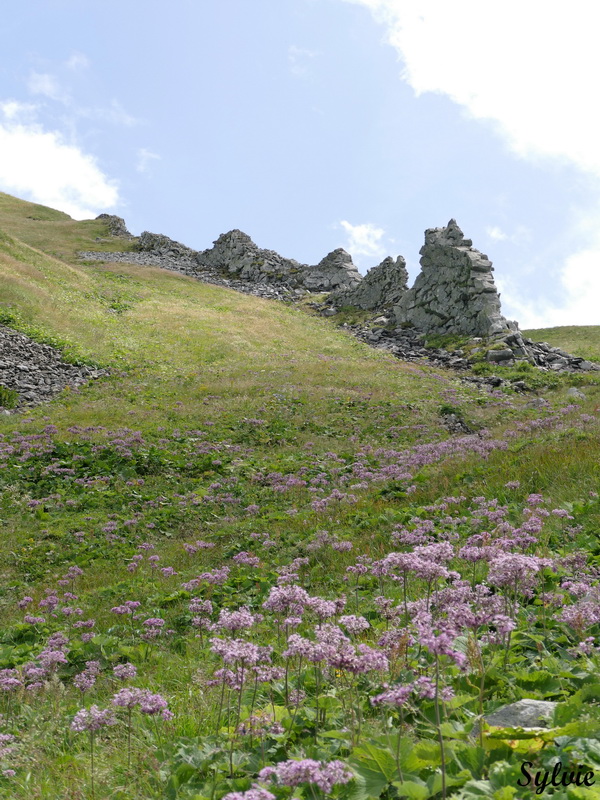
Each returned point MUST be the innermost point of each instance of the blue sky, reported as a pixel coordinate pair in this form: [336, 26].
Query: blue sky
[314, 124]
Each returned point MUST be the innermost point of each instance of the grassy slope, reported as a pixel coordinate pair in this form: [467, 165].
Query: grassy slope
[581, 340]
[185, 356]
[53, 231]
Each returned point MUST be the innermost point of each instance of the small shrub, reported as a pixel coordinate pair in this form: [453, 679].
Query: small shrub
[8, 397]
[447, 410]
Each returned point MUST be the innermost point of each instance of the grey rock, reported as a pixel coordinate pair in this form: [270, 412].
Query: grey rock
[235, 254]
[335, 271]
[537, 402]
[160, 245]
[382, 287]
[455, 291]
[525, 714]
[500, 355]
[573, 391]
[116, 225]
[46, 372]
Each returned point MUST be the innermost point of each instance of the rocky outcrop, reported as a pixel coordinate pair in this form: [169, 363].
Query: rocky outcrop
[35, 371]
[455, 291]
[236, 254]
[335, 271]
[157, 244]
[116, 225]
[382, 287]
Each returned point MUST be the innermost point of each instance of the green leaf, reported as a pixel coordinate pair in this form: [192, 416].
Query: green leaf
[453, 730]
[506, 793]
[474, 790]
[333, 735]
[429, 752]
[434, 783]
[375, 765]
[355, 790]
[412, 790]
[458, 701]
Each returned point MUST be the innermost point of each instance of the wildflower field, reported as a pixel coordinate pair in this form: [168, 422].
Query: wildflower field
[252, 563]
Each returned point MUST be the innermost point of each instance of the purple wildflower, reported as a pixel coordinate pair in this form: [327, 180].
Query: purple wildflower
[256, 793]
[322, 774]
[30, 620]
[124, 671]
[354, 624]
[93, 719]
[236, 620]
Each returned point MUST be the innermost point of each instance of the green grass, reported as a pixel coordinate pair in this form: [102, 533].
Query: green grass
[55, 232]
[229, 419]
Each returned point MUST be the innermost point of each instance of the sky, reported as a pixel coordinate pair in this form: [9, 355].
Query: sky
[316, 124]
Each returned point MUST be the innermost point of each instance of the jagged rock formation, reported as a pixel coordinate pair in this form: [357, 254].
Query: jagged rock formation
[116, 225]
[455, 291]
[157, 244]
[382, 287]
[35, 371]
[335, 271]
[236, 255]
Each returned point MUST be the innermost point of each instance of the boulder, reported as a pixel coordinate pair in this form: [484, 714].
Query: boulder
[525, 714]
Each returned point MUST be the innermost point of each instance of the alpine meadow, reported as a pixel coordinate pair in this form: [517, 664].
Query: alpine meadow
[266, 537]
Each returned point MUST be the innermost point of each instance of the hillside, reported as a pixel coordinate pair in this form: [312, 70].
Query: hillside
[244, 458]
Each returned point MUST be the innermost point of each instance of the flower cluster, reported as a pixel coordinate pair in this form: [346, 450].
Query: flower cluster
[295, 773]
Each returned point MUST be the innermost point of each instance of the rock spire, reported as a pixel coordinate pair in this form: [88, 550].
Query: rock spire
[455, 291]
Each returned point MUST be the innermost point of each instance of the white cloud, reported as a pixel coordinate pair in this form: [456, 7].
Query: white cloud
[364, 240]
[48, 86]
[299, 60]
[15, 111]
[39, 165]
[144, 158]
[495, 233]
[519, 236]
[77, 62]
[531, 67]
